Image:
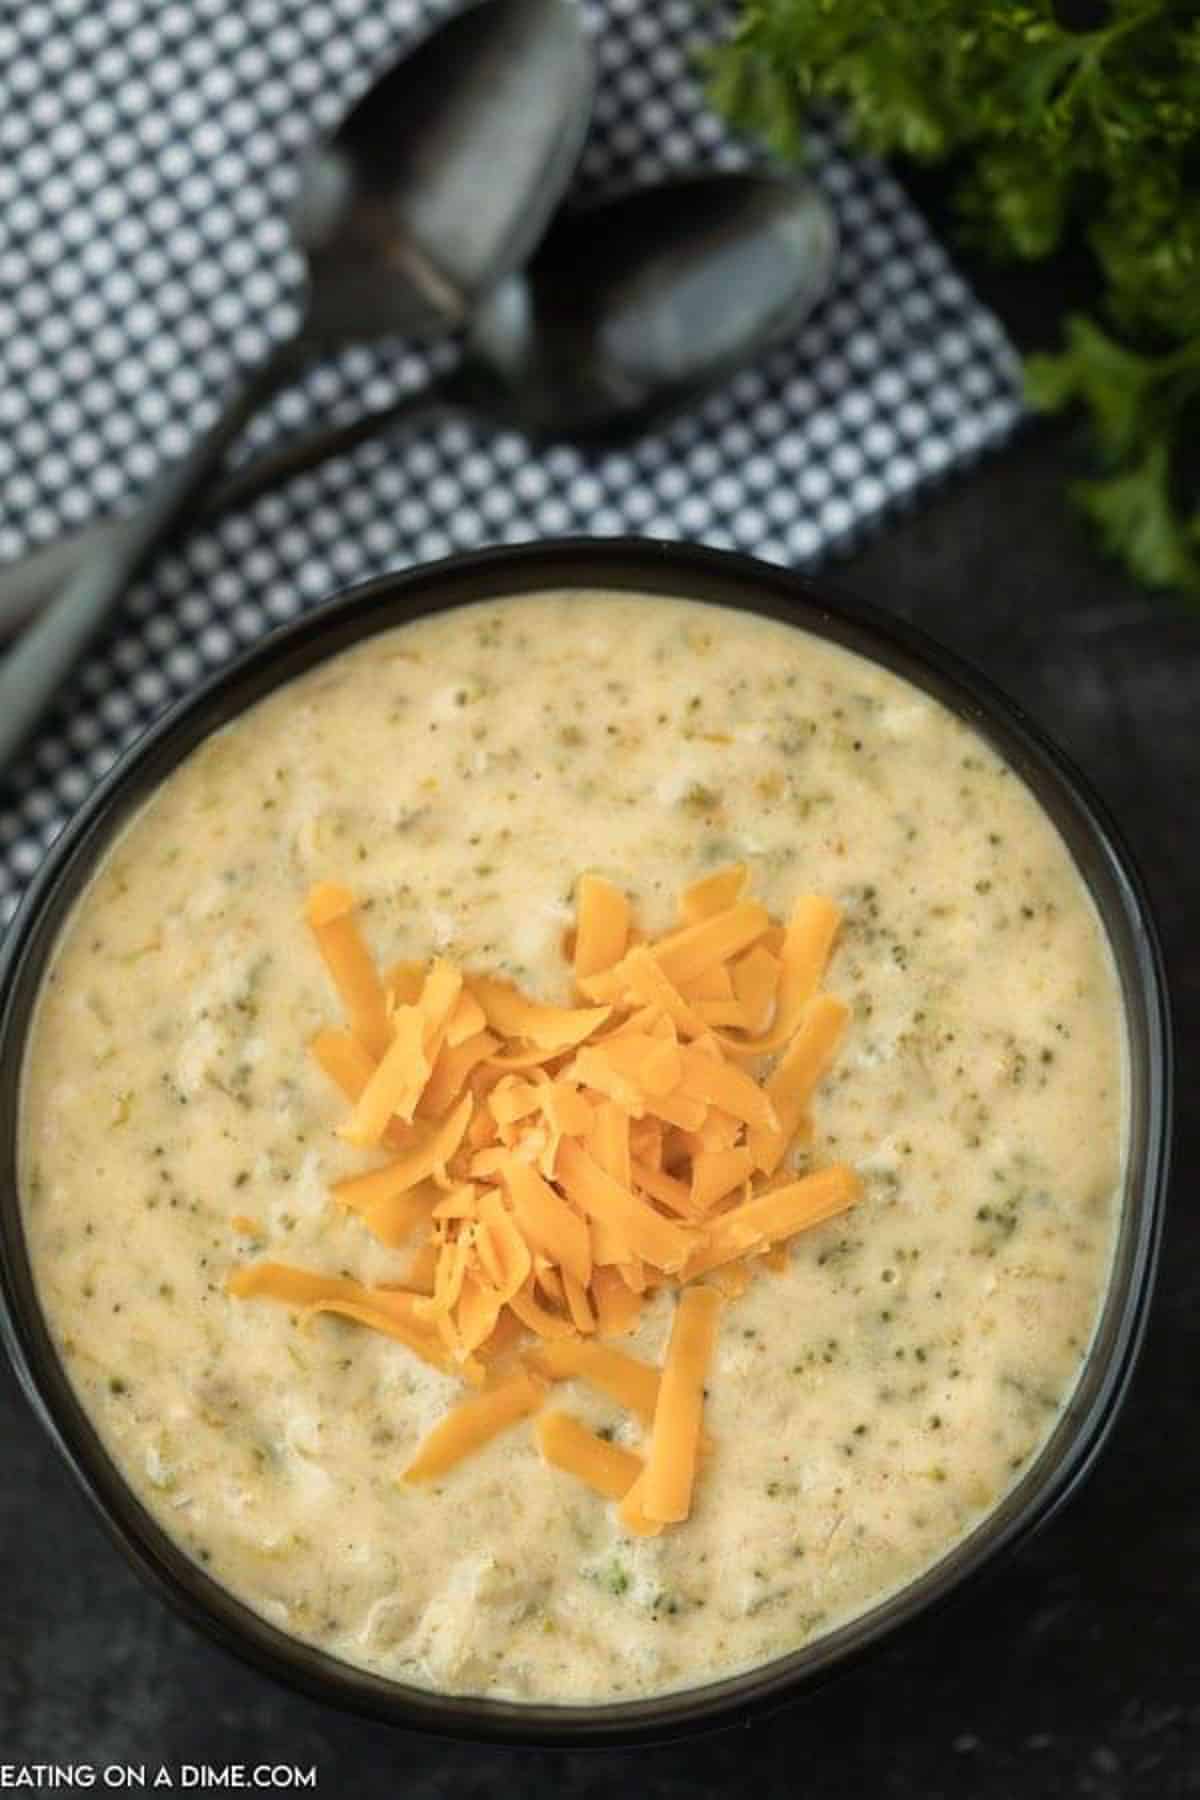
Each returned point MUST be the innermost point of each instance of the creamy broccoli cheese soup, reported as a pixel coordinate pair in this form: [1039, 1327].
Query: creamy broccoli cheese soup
[867, 1405]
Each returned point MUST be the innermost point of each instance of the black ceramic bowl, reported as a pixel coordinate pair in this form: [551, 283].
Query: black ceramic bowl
[730, 581]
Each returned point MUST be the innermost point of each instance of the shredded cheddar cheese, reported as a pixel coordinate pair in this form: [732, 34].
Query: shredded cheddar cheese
[605, 1467]
[632, 1383]
[552, 1166]
[675, 1434]
[602, 926]
[474, 1423]
[331, 917]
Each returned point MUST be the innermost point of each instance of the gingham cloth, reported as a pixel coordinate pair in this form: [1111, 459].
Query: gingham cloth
[147, 150]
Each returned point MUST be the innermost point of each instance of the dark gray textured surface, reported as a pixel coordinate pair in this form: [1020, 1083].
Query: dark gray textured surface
[1075, 1671]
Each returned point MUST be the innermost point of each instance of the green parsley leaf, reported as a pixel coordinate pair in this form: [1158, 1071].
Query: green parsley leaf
[1119, 387]
[1061, 117]
[1134, 515]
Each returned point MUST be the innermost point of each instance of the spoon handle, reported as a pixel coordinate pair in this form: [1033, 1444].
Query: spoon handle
[29, 582]
[34, 671]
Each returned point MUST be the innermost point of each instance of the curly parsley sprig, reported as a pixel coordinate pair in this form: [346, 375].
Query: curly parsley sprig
[1076, 114]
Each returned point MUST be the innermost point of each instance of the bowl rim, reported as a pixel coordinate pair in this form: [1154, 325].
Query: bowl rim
[664, 569]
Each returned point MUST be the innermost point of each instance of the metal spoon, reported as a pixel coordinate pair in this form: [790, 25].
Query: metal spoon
[629, 310]
[633, 308]
[436, 185]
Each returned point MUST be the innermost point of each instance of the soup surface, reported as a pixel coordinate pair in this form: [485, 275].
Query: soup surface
[868, 1405]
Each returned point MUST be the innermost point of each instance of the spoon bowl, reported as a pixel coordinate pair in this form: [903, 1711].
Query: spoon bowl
[442, 178]
[634, 307]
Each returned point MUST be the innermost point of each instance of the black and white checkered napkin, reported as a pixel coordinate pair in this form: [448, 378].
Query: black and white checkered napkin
[146, 149]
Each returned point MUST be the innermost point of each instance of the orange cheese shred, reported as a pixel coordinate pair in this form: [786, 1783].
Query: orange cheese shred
[488, 1163]
[723, 1084]
[455, 1063]
[330, 916]
[579, 1304]
[396, 1083]
[537, 1317]
[550, 1281]
[721, 1012]
[632, 1383]
[597, 1194]
[567, 1444]
[345, 1059]
[511, 1100]
[618, 1309]
[712, 894]
[396, 1324]
[675, 1436]
[779, 1213]
[645, 1144]
[522, 1057]
[794, 1077]
[467, 1020]
[503, 1249]
[386, 1310]
[633, 1274]
[327, 901]
[469, 1426]
[808, 1201]
[403, 983]
[716, 1173]
[668, 1190]
[710, 986]
[422, 1267]
[678, 1109]
[425, 1158]
[755, 979]
[632, 1512]
[610, 1248]
[651, 1063]
[602, 925]
[807, 944]
[439, 998]
[548, 1222]
[690, 952]
[296, 1287]
[505, 1335]
[512, 1014]
[718, 1131]
[649, 983]
[476, 1314]
[395, 1217]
